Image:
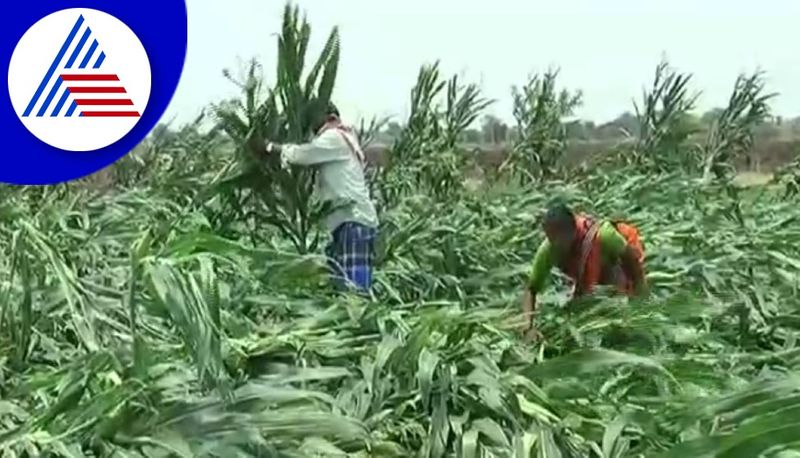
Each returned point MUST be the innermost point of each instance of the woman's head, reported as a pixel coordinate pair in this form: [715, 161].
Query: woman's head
[559, 225]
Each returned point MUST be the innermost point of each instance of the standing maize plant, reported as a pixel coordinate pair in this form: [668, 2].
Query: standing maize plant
[174, 160]
[262, 192]
[788, 177]
[398, 177]
[539, 110]
[425, 158]
[664, 121]
[426, 152]
[136, 322]
[731, 133]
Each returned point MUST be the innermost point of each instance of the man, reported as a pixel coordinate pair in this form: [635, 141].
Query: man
[588, 251]
[340, 162]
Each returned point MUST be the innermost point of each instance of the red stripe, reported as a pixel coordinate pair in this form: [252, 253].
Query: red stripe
[110, 114]
[90, 77]
[96, 90]
[104, 101]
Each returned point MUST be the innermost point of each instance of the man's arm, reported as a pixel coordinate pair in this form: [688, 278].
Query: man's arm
[328, 147]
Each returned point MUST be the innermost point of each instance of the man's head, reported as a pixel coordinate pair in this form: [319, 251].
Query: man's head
[559, 226]
[330, 113]
[331, 110]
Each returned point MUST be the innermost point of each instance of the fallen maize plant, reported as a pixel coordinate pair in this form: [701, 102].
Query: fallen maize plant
[184, 311]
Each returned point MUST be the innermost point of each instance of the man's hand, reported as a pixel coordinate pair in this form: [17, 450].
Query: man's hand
[256, 145]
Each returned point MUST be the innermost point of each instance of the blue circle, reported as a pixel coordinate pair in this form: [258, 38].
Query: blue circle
[161, 27]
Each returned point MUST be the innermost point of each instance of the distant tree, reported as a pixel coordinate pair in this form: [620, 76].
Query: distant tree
[494, 130]
[710, 116]
[579, 130]
[794, 126]
[473, 135]
[628, 123]
[624, 125]
[393, 129]
[692, 122]
[766, 131]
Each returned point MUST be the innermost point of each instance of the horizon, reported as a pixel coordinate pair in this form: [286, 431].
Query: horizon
[384, 45]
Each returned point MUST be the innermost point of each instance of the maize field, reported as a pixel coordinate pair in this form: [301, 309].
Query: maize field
[185, 311]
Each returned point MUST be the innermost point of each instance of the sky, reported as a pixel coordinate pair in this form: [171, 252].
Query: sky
[607, 49]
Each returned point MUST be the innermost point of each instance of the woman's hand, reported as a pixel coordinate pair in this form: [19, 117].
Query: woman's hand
[531, 335]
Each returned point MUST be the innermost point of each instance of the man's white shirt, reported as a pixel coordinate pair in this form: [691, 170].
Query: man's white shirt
[340, 177]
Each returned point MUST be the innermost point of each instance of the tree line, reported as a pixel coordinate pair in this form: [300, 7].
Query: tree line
[491, 130]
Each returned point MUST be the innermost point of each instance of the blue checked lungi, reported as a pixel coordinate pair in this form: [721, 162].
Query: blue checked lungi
[351, 255]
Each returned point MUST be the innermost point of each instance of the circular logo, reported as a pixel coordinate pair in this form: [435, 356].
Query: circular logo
[79, 79]
[87, 81]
